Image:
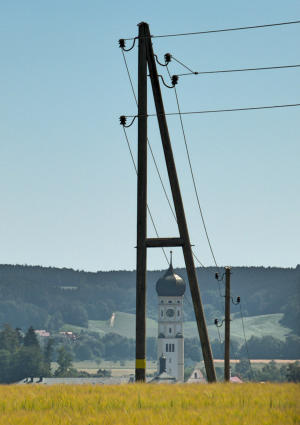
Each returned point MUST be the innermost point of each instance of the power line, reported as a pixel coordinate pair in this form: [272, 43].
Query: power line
[220, 71]
[151, 151]
[246, 343]
[150, 214]
[221, 30]
[219, 335]
[212, 111]
[154, 160]
[192, 174]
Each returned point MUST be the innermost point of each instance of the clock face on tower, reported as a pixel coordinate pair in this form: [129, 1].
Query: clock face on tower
[170, 312]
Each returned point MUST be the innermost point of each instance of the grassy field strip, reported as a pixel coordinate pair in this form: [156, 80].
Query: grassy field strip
[140, 404]
[128, 368]
[124, 324]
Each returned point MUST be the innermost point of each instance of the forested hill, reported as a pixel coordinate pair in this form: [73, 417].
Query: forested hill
[48, 297]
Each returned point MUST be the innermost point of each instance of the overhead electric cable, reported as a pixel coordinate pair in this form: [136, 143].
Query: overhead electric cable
[219, 335]
[212, 111]
[153, 157]
[220, 71]
[192, 174]
[150, 214]
[151, 151]
[222, 30]
[246, 343]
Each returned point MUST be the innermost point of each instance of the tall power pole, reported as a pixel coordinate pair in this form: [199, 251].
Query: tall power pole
[146, 56]
[227, 325]
[141, 257]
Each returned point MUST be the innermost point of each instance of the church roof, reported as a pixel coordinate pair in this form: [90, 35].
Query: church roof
[163, 378]
[170, 284]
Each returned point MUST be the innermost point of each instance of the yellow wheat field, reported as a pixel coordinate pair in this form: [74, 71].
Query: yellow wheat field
[247, 404]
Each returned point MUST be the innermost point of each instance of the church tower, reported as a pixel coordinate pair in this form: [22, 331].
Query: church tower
[170, 289]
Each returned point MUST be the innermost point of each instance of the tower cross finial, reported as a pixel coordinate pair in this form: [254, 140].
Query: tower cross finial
[171, 255]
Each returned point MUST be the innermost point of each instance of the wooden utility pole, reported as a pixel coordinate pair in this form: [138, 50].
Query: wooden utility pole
[227, 325]
[146, 55]
[141, 258]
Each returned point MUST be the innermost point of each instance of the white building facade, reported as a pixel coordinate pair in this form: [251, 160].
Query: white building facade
[170, 290]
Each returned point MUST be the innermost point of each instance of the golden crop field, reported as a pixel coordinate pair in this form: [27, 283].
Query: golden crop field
[140, 404]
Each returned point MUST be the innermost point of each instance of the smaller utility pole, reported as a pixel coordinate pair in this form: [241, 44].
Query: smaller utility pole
[227, 326]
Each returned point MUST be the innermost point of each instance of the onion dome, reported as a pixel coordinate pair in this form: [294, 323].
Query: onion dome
[170, 284]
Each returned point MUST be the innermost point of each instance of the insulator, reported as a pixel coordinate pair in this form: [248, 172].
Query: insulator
[238, 299]
[168, 58]
[217, 276]
[123, 120]
[216, 321]
[122, 43]
[174, 80]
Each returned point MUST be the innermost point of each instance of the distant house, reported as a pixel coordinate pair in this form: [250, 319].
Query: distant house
[42, 333]
[196, 377]
[68, 334]
[235, 380]
[68, 288]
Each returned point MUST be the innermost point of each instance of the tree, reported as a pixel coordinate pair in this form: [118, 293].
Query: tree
[64, 361]
[75, 314]
[291, 316]
[83, 352]
[151, 348]
[269, 372]
[9, 339]
[28, 362]
[243, 368]
[266, 347]
[5, 358]
[293, 372]
[48, 352]
[55, 322]
[30, 339]
[192, 349]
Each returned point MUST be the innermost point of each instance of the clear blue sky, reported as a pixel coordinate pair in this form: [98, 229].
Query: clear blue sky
[68, 189]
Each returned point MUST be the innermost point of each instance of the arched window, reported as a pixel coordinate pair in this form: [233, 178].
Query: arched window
[161, 313]
[178, 313]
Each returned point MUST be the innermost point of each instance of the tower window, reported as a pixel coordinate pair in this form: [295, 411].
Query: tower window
[170, 348]
[170, 330]
[178, 313]
[170, 302]
[162, 313]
